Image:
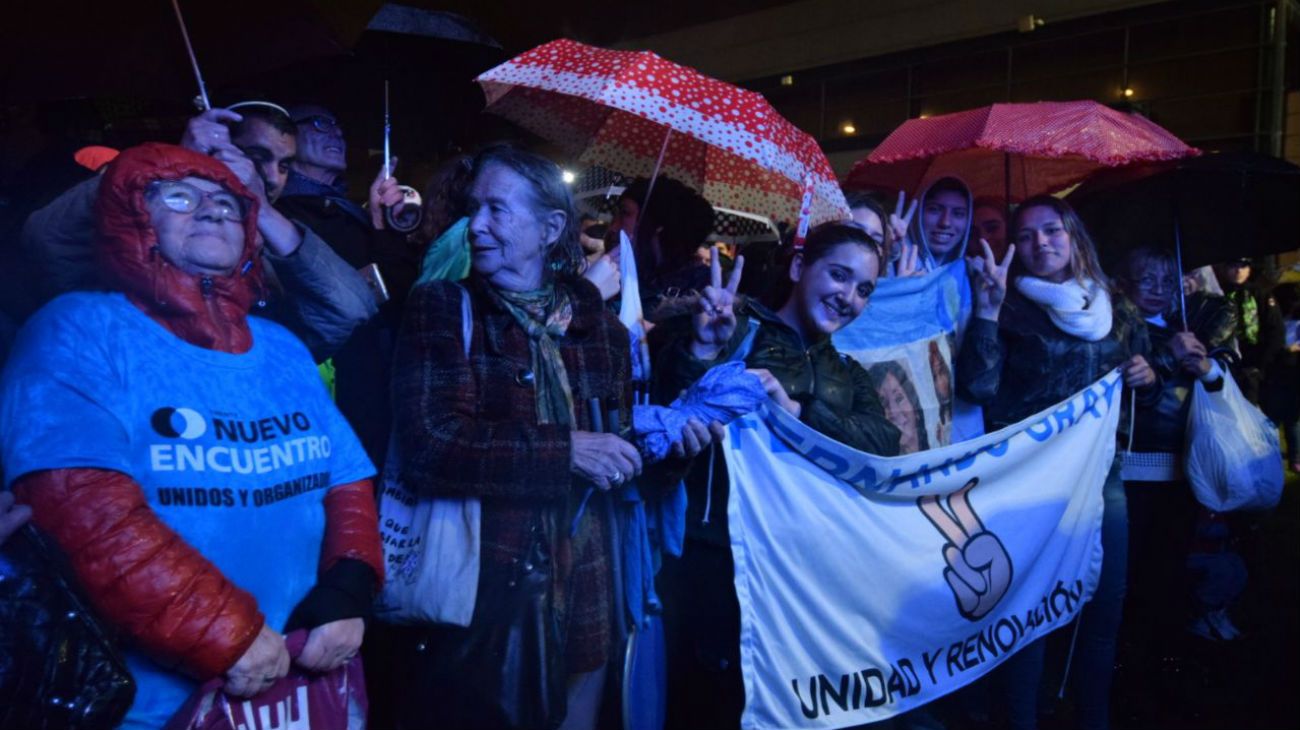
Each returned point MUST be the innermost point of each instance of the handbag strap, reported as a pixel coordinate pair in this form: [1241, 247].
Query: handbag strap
[466, 318]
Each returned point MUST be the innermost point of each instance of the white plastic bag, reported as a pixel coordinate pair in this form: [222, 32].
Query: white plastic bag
[1233, 457]
[431, 544]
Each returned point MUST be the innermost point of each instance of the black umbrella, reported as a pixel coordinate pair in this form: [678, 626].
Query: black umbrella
[1214, 208]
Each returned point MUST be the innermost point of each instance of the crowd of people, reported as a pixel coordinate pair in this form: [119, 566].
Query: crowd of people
[234, 349]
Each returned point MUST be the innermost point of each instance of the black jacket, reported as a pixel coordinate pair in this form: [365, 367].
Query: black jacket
[1023, 363]
[1261, 340]
[1162, 424]
[364, 363]
[835, 392]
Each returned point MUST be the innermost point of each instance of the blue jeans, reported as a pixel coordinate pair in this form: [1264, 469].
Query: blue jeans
[1093, 665]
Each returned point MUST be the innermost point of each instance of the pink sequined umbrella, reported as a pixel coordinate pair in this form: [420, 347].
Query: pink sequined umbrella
[1015, 150]
[635, 113]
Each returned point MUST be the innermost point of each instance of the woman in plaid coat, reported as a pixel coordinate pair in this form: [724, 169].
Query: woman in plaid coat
[510, 423]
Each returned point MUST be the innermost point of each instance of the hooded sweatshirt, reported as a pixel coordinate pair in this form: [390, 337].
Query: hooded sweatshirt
[929, 259]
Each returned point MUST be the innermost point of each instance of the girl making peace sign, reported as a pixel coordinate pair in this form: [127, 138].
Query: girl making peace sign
[789, 348]
[1045, 327]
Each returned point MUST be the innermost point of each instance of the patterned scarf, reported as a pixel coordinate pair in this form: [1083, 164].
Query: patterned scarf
[545, 315]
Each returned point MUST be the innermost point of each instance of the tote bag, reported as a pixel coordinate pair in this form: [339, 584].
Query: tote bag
[431, 544]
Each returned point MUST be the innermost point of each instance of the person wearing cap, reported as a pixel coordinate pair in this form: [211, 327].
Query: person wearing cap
[315, 196]
[1260, 332]
[311, 290]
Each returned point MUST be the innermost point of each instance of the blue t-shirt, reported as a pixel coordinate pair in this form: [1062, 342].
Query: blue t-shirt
[234, 452]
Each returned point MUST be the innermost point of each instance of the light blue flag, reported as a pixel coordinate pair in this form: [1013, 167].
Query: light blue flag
[907, 339]
[872, 585]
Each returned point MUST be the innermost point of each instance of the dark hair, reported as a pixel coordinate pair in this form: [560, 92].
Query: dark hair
[863, 199]
[1140, 256]
[1083, 253]
[948, 185]
[682, 217]
[878, 371]
[991, 202]
[275, 117]
[939, 366]
[446, 197]
[860, 199]
[820, 242]
[550, 193]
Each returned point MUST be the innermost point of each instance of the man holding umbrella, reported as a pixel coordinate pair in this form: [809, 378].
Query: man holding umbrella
[323, 298]
[315, 196]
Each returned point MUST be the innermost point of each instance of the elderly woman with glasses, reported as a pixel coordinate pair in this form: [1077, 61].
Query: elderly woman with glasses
[185, 455]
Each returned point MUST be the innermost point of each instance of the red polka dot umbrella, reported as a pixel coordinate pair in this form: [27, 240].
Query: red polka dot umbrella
[1015, 150]
[615, 109]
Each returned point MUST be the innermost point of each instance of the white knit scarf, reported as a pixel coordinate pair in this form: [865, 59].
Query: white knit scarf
[1082, 310]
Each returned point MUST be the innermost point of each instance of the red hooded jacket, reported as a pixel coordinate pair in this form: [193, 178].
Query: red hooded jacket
[142, 577]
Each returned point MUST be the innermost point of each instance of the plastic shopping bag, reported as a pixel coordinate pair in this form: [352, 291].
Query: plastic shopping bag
[1233, 458]
[334, 700]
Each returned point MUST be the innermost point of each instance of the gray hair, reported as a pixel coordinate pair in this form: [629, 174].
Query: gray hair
[550, 193]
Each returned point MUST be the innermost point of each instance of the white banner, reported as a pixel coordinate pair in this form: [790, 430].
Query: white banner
[869, 586]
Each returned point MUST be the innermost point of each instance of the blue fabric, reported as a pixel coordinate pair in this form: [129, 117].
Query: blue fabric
[723, 394]
[447, 258]
[909, 319]
[1093, 665]
[645, 704]
[300, 185]
[648, 529]
[233, 452]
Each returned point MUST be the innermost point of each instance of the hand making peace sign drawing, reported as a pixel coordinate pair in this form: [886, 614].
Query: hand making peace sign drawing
[979, 569]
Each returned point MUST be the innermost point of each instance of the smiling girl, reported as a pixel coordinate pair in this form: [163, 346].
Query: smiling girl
[1034, 343]
[789, 348]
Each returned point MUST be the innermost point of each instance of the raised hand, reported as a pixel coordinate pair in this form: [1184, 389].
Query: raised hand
[979, 569]
[909, 262]
[385, 192]
[900, 221]
[244, 169]
[604, 272]
[715, 317]
[209, 130]
[989, 277]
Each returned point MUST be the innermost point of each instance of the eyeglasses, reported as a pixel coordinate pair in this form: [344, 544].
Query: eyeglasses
[182, 197]
[321, 123]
